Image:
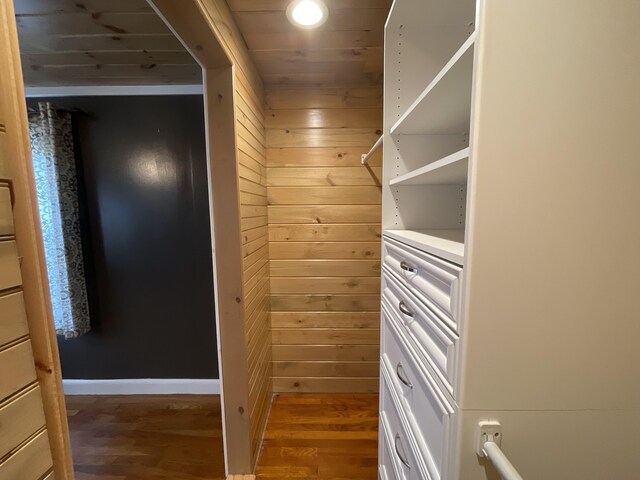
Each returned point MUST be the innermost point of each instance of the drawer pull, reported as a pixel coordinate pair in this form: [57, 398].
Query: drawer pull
[404, 310]
[405, 266]
[400, 456]
[403, 376]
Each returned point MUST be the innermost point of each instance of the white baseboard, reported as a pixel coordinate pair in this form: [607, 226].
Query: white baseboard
[142, 386]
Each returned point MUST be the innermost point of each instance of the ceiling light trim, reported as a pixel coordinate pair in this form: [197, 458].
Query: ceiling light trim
[293, 12]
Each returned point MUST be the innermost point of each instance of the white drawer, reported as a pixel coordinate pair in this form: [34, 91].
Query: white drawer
[428, 411]
[386, 463]
[434, 341]
[434, 281]
[402, 452]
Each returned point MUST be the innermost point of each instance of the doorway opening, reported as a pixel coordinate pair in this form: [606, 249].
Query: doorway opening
[119, 146]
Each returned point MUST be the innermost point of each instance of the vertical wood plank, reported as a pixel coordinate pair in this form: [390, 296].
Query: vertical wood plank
[227, 239]
[208, 30]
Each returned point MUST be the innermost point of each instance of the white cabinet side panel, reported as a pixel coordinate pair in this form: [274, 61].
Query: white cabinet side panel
[552, 268]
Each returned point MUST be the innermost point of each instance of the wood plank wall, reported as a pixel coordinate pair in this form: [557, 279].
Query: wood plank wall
[324, 238]
[33, 421]
[25, 451]
[250, 142]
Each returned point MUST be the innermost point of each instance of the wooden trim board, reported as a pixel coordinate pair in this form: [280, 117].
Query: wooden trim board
[206, 29]
[224, 192]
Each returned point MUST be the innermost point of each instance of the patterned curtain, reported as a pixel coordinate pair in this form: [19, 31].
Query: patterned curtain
[55, 173]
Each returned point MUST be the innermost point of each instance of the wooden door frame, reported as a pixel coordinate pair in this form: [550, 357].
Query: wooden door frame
[28, 234]
[201, 36]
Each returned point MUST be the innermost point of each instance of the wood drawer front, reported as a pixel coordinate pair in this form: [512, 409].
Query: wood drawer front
[31, 462]
[16, 368]
[10, 276]
[427, 409]
[398, 439]
[4, 157]
[13, 318]
[435, 281]
[6, 213]
[433, 340]
[19, 419]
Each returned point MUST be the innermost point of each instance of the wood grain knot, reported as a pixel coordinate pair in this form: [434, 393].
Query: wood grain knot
[43, 368]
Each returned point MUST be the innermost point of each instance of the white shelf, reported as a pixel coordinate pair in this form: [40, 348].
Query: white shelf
[444, 107]
[450, 170]
[447, 244]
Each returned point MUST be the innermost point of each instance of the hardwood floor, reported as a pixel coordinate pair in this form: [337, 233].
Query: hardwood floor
[321, 436]
[144, 437]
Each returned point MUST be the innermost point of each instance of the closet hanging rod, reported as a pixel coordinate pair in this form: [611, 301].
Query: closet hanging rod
[488, 442]
[500, 461]
[364, 160]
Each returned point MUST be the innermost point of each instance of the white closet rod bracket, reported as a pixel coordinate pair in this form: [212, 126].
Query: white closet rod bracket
[364, 159]
[488, 441]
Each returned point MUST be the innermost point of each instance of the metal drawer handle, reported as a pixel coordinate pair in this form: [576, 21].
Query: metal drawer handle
[403, 309]
[402, 459]
[405, 266]
[403, 376]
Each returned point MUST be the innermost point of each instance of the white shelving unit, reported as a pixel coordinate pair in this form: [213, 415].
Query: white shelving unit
[427, 123]
[447, 244]
[451, 170]
[444, 107]
[512, 290]
[429, 143]
[427, 156]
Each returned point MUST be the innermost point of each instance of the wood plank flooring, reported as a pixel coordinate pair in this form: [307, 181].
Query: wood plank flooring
[154, 437]
[144, 437]
[321, 437]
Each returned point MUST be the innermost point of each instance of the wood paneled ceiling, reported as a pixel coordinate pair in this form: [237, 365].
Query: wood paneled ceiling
[124, 42]
[99, 42]
[345, 51]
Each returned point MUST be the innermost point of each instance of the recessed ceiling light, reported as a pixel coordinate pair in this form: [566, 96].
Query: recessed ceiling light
[307, 13]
